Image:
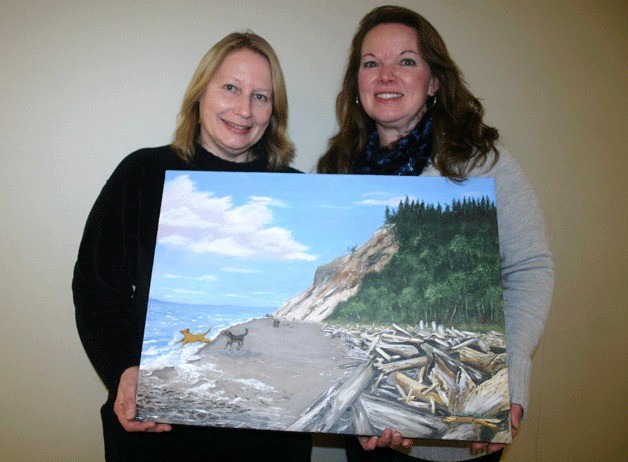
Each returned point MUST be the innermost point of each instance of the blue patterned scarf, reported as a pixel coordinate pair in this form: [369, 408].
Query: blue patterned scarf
[408, 156]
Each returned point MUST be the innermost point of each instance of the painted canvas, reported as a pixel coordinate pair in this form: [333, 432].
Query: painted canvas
[327, 303]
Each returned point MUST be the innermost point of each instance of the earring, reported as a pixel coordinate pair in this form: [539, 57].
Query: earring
[357, 100]
[432, 103]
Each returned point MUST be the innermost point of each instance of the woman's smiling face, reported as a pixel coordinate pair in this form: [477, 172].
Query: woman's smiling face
[236, 107]
[394, 81]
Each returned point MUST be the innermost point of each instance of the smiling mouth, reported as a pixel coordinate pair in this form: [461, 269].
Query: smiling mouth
[388, 96]
[237, 128]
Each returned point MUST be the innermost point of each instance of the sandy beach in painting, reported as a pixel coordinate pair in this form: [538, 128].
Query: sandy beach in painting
[268, 383]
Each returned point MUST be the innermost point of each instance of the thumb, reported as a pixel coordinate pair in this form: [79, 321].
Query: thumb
[128, 388]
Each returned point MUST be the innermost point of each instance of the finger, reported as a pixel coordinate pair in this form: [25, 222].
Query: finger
[130, 411]
[368, 443]
[128, 401]
[396, 439]
[122, 410]
[134, 426]
[516, 413]
[119, 411]
[495, 447]
[385, 439]
[407, 442]
[479, 447]
[160, 428]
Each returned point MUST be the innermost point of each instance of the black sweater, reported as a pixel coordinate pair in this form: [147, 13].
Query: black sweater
[112, 272]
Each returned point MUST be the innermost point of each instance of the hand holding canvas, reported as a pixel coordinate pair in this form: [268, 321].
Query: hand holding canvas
[389, 438]
[124, 406]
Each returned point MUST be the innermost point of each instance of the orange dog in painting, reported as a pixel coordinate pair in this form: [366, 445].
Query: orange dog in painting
[189, 337]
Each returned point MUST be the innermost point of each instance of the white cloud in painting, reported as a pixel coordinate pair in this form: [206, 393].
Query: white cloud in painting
[173, 276]
[234, 296]
[268, 201]
[189, 292]
[383, 200]
[200, 222]
[207, 277]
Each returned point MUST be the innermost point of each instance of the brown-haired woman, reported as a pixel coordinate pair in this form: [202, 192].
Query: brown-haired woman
[404, 109]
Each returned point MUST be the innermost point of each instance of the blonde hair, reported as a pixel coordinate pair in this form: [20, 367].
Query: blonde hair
[275, 141]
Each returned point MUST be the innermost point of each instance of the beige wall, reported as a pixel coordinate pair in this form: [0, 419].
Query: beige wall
[84, 83]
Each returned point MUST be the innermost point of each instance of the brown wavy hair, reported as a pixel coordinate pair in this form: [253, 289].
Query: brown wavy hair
[461, 139]
[275, 141]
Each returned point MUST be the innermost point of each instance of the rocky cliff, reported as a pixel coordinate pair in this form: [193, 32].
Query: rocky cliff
[340, 279]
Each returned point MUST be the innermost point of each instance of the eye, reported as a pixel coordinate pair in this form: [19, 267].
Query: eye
[368, 64]
[408, 62]
[260, 99]
[229, 87]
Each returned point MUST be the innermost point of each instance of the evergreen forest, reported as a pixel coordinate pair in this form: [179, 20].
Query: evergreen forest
[447, 269]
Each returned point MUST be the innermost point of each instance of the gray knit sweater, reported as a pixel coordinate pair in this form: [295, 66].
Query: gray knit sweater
[528, 282]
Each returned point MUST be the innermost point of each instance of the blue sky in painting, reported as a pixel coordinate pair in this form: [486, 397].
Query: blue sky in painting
[256, 239]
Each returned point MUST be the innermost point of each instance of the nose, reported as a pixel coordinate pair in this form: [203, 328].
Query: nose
[386, 73]
[243, 106]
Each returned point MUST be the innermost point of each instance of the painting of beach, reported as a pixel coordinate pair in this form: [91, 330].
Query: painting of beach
[327, 303]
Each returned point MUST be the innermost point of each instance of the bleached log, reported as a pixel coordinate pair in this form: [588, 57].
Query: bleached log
[454, 364]
[385, 355]
[487, 399]
[495, 341]
[402, 330]
[410, 363]
[463, 431]
[373, 345]
[464, 384]
[486, 362]
[491, 424]
[407, 351]
[360, 420]
[504, 436]
[467, 342]
[412, 422]
[439, 339]
[416, 339]
[445, 379]
[324, 413]
[470, 428]
[413, 387]
[419, 405]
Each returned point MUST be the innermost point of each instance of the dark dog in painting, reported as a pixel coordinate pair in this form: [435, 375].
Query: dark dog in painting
[233, 338]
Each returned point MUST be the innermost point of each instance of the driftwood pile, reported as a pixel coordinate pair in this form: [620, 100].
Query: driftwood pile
[427, 382]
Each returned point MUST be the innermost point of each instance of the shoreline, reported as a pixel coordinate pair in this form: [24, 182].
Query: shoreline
[267, 383]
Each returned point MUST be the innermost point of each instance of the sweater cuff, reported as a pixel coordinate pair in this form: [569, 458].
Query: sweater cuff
[519, 370]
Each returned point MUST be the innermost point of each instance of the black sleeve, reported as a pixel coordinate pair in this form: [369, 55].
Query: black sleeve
[104, 278]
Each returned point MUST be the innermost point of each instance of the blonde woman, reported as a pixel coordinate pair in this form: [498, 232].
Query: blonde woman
[233, 118]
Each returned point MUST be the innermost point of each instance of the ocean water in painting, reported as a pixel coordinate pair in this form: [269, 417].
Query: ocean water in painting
[164, 320]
